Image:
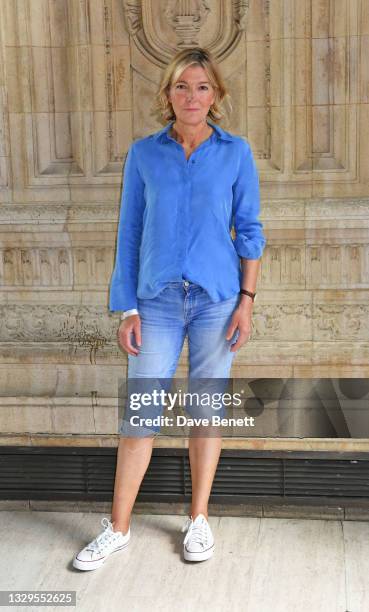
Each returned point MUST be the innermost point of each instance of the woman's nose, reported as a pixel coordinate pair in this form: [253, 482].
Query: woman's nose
[190, 94]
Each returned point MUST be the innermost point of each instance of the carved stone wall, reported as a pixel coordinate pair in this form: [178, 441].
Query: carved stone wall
[77, 79]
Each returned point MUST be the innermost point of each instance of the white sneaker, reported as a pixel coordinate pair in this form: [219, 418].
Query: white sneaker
[97, 551]
[198, 544]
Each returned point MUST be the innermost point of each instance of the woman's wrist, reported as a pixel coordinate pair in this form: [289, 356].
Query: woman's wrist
[246, 303]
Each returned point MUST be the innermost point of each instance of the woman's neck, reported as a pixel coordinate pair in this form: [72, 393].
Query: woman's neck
[191, 136]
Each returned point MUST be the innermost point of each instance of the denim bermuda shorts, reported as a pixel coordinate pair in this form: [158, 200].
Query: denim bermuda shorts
[181, 308]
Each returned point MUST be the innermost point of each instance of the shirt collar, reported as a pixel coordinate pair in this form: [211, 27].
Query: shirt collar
[161, 135]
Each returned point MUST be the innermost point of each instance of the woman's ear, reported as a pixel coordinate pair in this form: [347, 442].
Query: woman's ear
[168, 93]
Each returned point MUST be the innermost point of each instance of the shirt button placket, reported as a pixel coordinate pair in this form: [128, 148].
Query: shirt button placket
[186, 222]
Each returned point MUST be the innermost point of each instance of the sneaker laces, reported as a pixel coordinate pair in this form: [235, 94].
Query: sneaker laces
[196, 531]
[104, 538]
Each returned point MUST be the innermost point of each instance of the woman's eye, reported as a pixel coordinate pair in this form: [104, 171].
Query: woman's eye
[181, 85]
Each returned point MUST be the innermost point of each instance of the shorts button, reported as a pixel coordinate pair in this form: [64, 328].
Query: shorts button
[186, 283]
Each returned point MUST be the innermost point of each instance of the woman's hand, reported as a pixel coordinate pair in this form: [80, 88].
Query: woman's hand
[241, 320]
[129, 325]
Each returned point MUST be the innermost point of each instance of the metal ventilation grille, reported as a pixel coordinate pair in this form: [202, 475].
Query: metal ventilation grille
[329, 478]
[247, 476]
[88, 474]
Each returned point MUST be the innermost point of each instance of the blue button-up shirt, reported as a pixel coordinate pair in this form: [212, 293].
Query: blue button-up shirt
[176, 217]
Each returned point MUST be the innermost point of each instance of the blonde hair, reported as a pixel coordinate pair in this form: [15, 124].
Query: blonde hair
[190, 57]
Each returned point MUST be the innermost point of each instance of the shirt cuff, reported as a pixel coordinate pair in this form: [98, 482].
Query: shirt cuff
[127, 313]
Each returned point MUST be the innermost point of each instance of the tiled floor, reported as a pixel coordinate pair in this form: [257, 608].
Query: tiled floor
[259, 565]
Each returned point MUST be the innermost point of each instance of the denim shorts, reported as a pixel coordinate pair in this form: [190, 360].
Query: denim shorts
[181, 309]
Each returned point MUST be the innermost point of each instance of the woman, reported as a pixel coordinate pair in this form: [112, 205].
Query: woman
[178, 273]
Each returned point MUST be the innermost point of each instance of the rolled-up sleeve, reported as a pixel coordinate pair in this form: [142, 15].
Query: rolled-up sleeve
[124, 280]
[250, 240]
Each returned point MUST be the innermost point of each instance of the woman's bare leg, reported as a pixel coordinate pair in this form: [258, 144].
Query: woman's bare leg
[204, 456]
[133, 459]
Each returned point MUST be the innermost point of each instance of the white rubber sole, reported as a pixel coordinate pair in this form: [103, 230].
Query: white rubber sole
[198, 556]
[91, 565]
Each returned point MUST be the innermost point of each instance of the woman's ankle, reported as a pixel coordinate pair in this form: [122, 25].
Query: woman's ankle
[195, 513]
[123, 527]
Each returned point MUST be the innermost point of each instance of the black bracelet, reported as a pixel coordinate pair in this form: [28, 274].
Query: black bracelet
[249, 293]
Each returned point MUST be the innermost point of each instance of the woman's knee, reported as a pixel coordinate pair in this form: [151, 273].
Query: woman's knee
[136, 444]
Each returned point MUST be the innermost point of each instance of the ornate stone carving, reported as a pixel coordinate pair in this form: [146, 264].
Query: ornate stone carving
[241, 13]
[187, 17]
[133, 15]
[79, 326]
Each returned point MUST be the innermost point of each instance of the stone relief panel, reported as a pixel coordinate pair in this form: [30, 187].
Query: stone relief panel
[77, 81]
[69, 96]
[325, 88]
[159, 28]
[4, 135]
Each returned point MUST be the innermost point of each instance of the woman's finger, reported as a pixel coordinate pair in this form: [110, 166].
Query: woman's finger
[132, 350]
[125, 339]
[231, 329]
[242, 338]
[137, 331]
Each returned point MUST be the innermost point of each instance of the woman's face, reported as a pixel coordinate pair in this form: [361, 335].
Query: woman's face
[191, 96]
